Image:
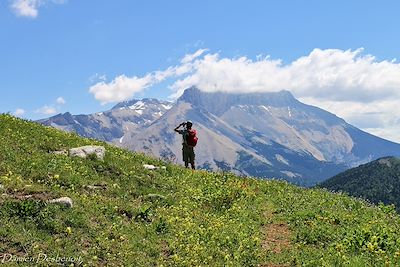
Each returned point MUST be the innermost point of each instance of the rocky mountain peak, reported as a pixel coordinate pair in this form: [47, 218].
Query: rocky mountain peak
[130, 103]
[219, 102]
[60, 119]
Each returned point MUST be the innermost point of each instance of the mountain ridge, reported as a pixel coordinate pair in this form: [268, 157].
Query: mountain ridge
[219, 102]
[249, 134]
[377, 181]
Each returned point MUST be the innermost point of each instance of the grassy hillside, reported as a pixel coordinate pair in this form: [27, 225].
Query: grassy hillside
[377, 181]
[172, 217]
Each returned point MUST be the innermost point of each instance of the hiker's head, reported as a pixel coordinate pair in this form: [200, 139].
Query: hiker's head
[189, 124]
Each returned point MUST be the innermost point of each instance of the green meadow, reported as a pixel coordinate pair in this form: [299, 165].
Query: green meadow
[126, 215]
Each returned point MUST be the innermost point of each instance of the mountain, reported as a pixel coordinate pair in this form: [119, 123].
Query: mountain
[111, 125]
[377, 181]
[124, 214]
[258, 134]
[264, 135]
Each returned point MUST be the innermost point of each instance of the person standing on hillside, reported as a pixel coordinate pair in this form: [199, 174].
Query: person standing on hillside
[189, 141]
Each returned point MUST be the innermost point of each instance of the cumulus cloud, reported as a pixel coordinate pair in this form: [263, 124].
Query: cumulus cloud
[123, 87]
[46, 110]
[19, 112]
[60, 100]
[324, 74]
[349, 83]
[330, 74]
[30, 8]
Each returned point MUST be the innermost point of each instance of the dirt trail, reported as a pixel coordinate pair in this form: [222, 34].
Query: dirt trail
[276, 237]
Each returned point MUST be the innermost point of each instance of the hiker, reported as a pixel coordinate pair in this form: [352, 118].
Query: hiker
[189, 141]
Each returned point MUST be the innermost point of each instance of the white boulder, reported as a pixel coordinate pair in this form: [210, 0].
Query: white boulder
[85, 151]
[150, 167]
[66, 201]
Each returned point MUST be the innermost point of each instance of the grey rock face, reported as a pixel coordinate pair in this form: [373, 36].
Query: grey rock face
[385, 161]
[219, 102]
[85, 151]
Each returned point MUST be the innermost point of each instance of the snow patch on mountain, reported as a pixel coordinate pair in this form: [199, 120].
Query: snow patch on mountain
[139, 105]
[266, 108]
[291, 174]
[167, 106]
[289, 112]
[281, 159]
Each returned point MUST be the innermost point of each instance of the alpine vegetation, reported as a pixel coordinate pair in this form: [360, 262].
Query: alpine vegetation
[129, 209]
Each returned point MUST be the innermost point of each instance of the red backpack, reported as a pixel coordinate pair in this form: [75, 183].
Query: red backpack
[191, 138]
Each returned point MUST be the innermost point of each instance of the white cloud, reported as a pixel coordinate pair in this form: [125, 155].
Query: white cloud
[46, 110]
[30, 8]
[123, 87]
[324, 74]
[349, 83]
[60, 100]
[26, 8]
[19, 112]
[190, 57]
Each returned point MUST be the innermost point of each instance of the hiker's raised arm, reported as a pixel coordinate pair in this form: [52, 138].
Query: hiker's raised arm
[177, 127]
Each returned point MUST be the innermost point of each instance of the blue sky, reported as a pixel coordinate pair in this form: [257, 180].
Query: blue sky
[84, 56]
